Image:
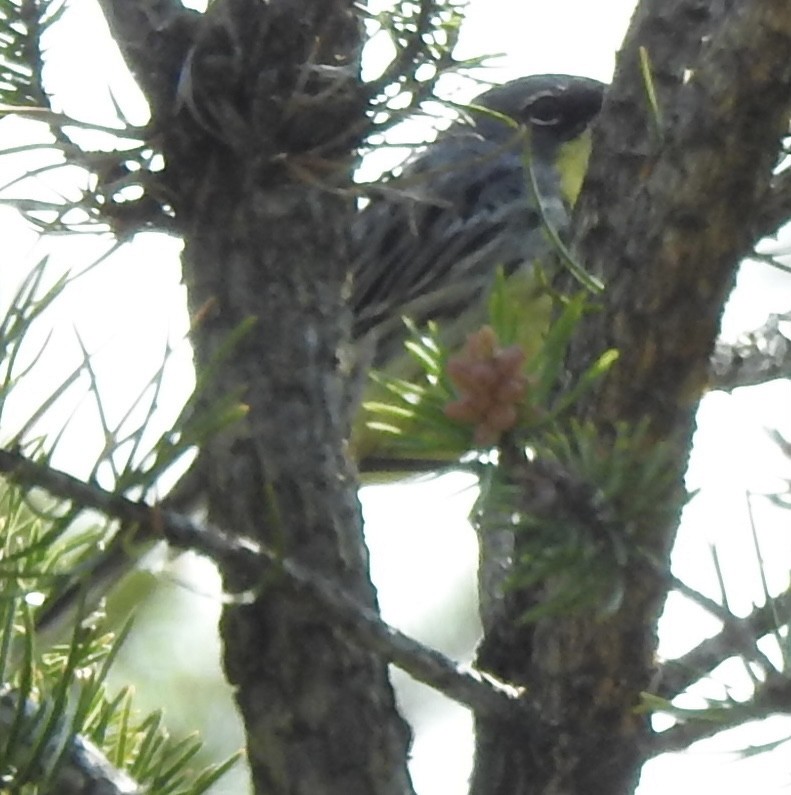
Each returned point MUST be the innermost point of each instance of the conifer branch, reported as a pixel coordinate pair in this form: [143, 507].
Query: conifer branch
[81, 769]
[482, 694]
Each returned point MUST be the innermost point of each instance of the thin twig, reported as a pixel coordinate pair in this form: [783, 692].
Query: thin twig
[482, 694]
[675, 676]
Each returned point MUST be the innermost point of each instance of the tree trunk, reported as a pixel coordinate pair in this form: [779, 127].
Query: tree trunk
[663, 220]
[257, 132]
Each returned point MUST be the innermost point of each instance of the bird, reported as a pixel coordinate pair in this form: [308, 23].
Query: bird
[428, 246]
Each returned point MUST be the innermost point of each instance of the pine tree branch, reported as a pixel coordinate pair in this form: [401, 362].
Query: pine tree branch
[737, 636]
[82, 768]
[408, 57]
[482, 694]
[773, 696]
[683, 735]
[756, 357]
[417, 47]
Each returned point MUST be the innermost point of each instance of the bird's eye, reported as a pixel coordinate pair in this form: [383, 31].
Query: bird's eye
[544, 110]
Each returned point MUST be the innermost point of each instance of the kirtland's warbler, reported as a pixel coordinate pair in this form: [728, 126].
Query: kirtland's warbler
[429, 245]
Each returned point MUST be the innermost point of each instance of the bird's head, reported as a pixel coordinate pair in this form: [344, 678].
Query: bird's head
[557, 110]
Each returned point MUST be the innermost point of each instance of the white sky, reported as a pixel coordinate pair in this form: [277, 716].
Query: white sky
[419, 537]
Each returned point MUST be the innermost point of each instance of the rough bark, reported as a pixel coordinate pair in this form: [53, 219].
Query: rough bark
[256, 131]
[664, 219]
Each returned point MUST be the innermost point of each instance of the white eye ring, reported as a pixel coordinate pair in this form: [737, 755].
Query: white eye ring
[540, 121]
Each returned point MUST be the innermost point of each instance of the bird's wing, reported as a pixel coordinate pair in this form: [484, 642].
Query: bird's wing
[429, 247]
